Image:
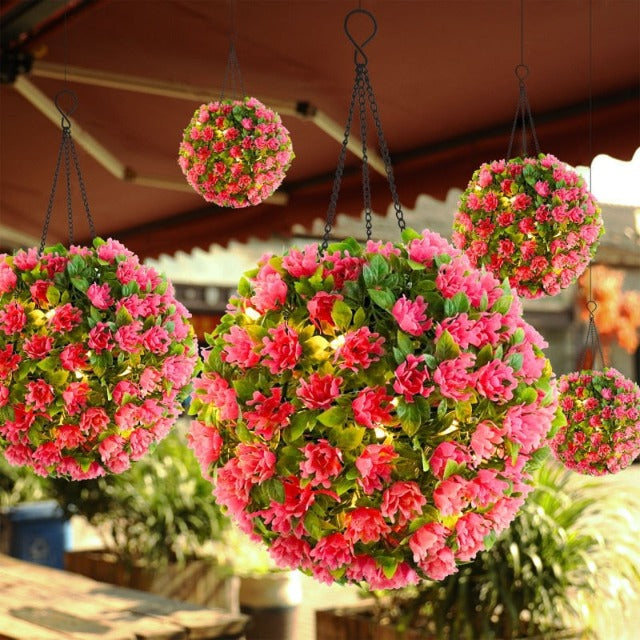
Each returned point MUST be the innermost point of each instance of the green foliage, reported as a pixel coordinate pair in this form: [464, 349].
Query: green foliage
[158, 511]
[571, 553]
[18, 484]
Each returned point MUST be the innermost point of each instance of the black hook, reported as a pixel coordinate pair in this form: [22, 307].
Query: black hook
[360, 47]
[65, 122]
[521, 71]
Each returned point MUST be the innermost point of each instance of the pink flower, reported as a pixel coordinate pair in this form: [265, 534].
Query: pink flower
[365, 524]
[39, 394]
[69, 436]
[216, 391]
[444, 452]
[302, 264]
[319, 391]
[256, 462]
[139, 441]
[345, 267]
[206, 443]
[372, 407]
[26, 260]
[100, 295]
[487, 488]
[333, 551]
[428, 539]
[122, 388]
[470, 529]
[240, 348]
[270, 290]
[290, 552]
[4, 395]
[453, 379]
[411, 315]
[269, 414]
[12, 318]
[38, 346]
[100, 338]
[129, 337]
[65, 318]
[320, 307]
[425, 249]
[178, 369]
[521, 202]
[484, 440]
[322, 463]
[496, 381]
[281, 349]
[402, 502]
[439, 564]
[527, 425]
[75, 396]
[73, 357]
[156, 339]
[8, 278]
[375, 465]
[451, 278]
[409, 380]
[93, 421]
[450, 495]
[47, 454]
[39, 290]
[361, 347]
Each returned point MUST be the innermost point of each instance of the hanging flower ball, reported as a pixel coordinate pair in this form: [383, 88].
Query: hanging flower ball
[532, 221]
[372, 414]
[235, 153]
[96, 356]
[602, 434]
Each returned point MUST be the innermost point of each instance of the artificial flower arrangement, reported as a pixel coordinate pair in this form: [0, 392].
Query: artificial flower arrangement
[602, 433]
[372, 414]
[235, 153]
[531, 220]
[96, 356]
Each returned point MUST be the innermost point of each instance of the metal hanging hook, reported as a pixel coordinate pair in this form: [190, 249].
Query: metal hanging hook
[360, 47]
[66, 114]
[521, 71]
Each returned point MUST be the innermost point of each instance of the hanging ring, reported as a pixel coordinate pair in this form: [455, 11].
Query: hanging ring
[592, 305]
[521, 71]
[360, 47]
[66, 114]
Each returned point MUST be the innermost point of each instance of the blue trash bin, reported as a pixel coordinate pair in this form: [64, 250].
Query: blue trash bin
[36, 532]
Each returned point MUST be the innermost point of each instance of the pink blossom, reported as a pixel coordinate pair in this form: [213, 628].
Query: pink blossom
[333, 551]
[26, 260]
[402, 501]
[38, 346]
[93, 421]
[528, 425]
[206, 443]
[425, 249]
[255, 461]
[485, 177]
[439, 564]
[453, 379]
[69, 436]
[8, 278]
[372, 407]
[365, 524]
[444, 452]
[282, 349]
[319, 391]
[122, 388]
[240, 348]
[39, 394]
[39, 290]
[487, 487]
[112, 249]
[139, 442]
[375, 465]
[495, 381]
[320, 307]
[12, 318]
[100, 295]
[451, 278]
[470, 529]
[428, 539]
[411, 315]
[270, 290]
[100, 338]
[4, 395]
[484, 440]
[302, 264]
[9, 362]
[322, 463]
[385, 249]
[213, 389]
[361, 347]
[75, 396]
[129, 337]
[178, 369]
[450, 495]
[156, 339]
[73, 357]
[270, 413]
[290, 552]
[344, 268]
[410, 380]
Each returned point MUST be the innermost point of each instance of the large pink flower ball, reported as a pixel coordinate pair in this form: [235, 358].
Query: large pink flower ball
[602, 433]
[530, 220]
[96, 357]
[371, 414]
[235, 153]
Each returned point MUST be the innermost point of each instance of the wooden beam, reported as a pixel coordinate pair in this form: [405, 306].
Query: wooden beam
[182, 91]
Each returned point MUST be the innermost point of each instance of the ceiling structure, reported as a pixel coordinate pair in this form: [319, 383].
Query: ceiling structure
[442, 71]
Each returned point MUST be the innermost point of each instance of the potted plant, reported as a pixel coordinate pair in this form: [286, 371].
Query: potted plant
[161, 531]
[545, 577]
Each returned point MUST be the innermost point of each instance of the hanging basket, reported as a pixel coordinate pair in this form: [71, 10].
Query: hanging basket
[95, 359]
[530, 220]
[235, 153]
[602, 434]
[371, 414]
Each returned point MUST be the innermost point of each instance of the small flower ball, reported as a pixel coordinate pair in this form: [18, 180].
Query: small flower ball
[602, 434]
[235, 153]
[372, 413]
[530, 220]
[96, 357]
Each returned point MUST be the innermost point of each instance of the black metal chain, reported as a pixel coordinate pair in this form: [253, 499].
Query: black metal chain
[592, 339]
[68, 150]
[232, 69]
[523, 115]
[363, 92]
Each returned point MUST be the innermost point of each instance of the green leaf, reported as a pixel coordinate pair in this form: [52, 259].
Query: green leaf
[300, 422]
[80, 283]
[490, 539]
[53, 296]
[123, 317]
[242, 432]
[484, 356]
[442, 409]
[375, 272]
[404, 343]
[349, 438]
[313, 525]
[359, 317]
[316, 348]
[409, 234]
[289, 461]
[515, 361]
[502, 304]
[383, 298]
[58, 378]
[410, 417]
[244, 287]
[275, 490]
[341, 314]
[453, 468]
[458, 304]
[389, 565]
[334, 417]
[463, 411]
[48, 364]
[518, 336]
[528, 395]
[446, 347]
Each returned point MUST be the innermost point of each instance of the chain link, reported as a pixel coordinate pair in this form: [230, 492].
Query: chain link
[366, 183]
[52, 195]
[523, 114]
[67, 172]
[83, 190]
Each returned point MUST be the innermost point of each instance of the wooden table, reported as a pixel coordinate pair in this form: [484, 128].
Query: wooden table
[39, 603]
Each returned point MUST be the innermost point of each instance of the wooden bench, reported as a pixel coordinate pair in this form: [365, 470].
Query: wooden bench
[40, 603]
